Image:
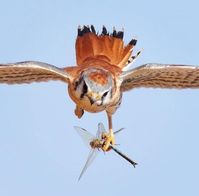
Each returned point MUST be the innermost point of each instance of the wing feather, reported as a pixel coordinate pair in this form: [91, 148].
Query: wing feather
[105, 47]
[161, 76]
[31, 71]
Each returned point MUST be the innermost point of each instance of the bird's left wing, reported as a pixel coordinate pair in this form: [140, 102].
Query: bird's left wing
[31, 71]
[161, 76]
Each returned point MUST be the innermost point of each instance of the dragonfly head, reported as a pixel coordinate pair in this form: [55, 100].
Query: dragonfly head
[96, 143]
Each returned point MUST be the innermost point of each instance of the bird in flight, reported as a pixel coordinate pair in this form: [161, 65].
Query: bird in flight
[101, 75]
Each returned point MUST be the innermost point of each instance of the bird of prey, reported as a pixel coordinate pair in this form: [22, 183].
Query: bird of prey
[101, 76]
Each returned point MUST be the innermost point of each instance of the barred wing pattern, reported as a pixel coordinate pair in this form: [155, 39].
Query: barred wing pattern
[31, 71]
[161, 76]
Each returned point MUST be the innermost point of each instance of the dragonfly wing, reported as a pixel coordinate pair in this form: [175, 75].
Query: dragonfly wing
[92, 155]
[100, 130]
[85, 135]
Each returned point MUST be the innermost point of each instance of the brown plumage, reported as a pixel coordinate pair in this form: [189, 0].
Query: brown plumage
[161, 76]
[108, 48]
[98, 81]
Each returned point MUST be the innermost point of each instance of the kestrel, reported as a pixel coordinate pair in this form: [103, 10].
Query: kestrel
[100, 77]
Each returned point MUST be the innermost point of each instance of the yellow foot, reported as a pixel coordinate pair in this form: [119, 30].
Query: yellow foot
[109, 139]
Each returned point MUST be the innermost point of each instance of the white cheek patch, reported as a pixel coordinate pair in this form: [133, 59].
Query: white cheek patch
[106, 99]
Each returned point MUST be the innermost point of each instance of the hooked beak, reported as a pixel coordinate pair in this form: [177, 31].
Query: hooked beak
[93, 97]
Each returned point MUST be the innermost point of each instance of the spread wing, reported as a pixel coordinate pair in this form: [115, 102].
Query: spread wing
[31, 71]
[161, 76]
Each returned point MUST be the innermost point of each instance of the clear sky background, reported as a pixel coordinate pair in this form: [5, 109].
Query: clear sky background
[40, 152]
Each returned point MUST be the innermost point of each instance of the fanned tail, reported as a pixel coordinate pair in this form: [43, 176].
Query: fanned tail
[105, 47]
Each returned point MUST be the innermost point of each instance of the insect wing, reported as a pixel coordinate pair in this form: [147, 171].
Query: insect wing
[100, 130]
[87, 138]
[91, 156]
[85, 135]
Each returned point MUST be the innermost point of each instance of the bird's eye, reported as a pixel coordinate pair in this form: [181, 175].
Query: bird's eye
[84, 90]
[104, 95]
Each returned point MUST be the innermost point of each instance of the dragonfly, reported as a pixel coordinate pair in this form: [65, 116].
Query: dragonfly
[96, 143]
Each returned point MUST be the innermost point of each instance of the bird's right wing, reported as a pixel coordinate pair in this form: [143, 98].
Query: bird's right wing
[31, 71]
[155, 75]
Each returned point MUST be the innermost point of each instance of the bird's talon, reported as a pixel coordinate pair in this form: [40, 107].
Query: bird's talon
[109, 139]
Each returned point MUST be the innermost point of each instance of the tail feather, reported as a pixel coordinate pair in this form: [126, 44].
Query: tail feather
[106, 47]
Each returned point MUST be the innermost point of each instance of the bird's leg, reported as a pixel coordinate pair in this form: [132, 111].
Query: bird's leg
[109, 137]
[79, 112]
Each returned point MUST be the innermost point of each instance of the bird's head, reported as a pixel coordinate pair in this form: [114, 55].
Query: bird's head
[95, 84]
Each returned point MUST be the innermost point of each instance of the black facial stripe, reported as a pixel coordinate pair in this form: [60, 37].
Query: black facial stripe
[77, 83]
[84, 90]
[104, 95]
[91, 101]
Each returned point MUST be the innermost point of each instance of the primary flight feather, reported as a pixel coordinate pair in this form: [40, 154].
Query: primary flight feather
[98, 80]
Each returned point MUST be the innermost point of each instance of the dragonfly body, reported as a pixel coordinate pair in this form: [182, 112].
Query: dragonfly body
[101, 75]
[96, 143]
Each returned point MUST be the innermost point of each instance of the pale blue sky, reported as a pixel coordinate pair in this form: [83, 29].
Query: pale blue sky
[40, 152]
